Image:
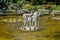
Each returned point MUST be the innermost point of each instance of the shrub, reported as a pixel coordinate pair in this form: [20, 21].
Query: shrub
[11, 11]
[27, 7]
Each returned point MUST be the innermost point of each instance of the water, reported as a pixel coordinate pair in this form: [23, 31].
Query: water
[48, 25]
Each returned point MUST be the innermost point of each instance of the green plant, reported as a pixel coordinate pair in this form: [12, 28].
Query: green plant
[20, 2]
[27, 7]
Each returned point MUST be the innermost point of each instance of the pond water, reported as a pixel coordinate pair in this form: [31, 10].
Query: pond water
[11, 31]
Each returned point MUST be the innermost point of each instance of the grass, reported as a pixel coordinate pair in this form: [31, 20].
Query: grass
[50, 30]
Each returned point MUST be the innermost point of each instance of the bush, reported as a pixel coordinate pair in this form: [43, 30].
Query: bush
[27, 7]
[58, 7]
[11, 11]
[36, 8]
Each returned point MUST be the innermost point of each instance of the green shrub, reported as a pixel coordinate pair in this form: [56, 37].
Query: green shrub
[35, 8]
[27, 7]
[11, 11]
[58, 7]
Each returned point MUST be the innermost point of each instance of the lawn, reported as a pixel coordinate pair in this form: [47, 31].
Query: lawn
[50, 30]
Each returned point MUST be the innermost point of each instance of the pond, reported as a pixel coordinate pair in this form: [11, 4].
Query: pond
[11, 31]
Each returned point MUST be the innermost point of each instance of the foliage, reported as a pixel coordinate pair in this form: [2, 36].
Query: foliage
[55, 7]
[11, 11]
[36, 2]
[27, 7]
[58, 7]
[20, 2]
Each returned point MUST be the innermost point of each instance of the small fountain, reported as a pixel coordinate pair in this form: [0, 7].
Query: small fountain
[30, 22]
